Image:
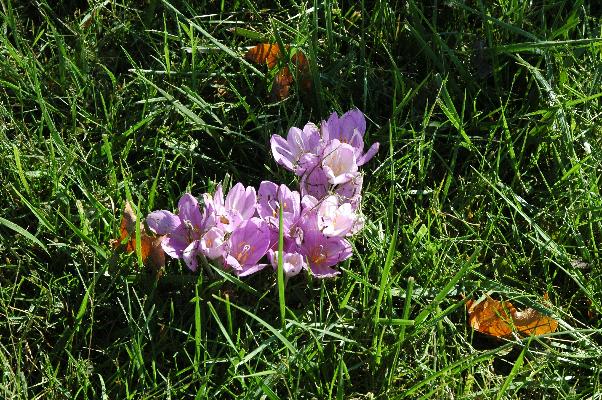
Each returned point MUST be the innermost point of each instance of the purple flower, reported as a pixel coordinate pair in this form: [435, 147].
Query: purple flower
[180, 230]
[349, 128]
[238, 206]
[190, 255]
[314, 182]
[269, 198]
[211, 244]
[308, 221]
[241, 199]
[322, 253]
[334, 219]
[339, 163]
[351, 191]
[245, 247]
[315, 220]
[299, 151]
[292, 262]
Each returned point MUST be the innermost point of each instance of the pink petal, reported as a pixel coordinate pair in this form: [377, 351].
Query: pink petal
[351, 120]
[175, 243]
[351, 191]
[306, 162]
[311, 138]
[190, 255]
[323, 271]
[369, 154]
[218, 196]
[247, 270]
[295, 141]
[249, 242]
[292, 263]
[189, 210]
[322, 251]
[162, 222]
[234, 198]
[339, 162]
[232, 262]
[212, 244]
[330, 128]
[243, 200]
[315, 183]
[266, 198]
[250, 203]
[282, 152]
[335, 220]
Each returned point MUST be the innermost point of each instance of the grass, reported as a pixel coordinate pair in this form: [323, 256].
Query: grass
[487, 181]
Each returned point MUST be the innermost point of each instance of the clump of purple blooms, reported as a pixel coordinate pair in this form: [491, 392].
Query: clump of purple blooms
[238, 230]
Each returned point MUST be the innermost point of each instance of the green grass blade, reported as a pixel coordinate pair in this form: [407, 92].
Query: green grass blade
[518, 364]
[17, 156]
[281, 281]
[269, 327]
[23, 232]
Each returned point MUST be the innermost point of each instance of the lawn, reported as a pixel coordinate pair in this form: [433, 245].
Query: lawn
[487, 183]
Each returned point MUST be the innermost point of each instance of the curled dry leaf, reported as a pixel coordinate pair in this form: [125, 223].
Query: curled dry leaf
[501, 318]
[271, 54]
[150, 246]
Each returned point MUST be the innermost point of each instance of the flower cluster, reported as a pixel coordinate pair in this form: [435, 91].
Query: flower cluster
[237, 230]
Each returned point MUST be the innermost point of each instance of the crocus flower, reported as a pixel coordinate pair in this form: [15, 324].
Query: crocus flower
[339, 162]
[211, 244]
[322, 253]
[292, 263]
[315, 220]
[179, 230]
[242, 200]
[308, 220]
[299, 151]
[245, 247]
[335, 219]
[314, 182]
[238, 206]
[351, 192]
[190, 254]
[349, 128]
[269, 198]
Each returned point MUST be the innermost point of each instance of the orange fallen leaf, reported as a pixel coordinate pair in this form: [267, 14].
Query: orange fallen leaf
[501, 318]
[151, 251]
[268, 53]
[271, 54]
[282, 84]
